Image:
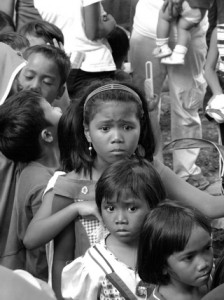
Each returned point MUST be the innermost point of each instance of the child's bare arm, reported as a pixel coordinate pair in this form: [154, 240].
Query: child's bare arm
[46, 224]
[95, 25]
[64, 245]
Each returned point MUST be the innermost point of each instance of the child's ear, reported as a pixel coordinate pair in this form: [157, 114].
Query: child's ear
[86, 132]
[47, 136]
[61, 91]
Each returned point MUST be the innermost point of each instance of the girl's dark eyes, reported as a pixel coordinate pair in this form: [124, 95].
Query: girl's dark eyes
[132, 208]
[105, 128]
[127, 127]
[48, 83]
[110, 208]
[28, 77]
[188, 258]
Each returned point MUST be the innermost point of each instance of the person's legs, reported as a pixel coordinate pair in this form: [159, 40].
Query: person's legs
[141, 48]
[141, 51]
[187, 88]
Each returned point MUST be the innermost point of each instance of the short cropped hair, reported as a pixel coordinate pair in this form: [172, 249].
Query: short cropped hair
[43, 29]
[166, 230]
[136, 176]
[55, 54]
[6, 20]
[21, 122]
[15, 40]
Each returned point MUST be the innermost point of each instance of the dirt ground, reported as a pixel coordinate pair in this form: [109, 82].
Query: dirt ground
[208, 159]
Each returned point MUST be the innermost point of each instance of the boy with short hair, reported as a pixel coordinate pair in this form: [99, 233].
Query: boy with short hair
[46, 71]
[12, 70]
[28, 134]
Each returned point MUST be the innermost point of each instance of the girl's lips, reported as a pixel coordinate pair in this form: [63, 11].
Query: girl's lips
[204, 276]
[117, 150]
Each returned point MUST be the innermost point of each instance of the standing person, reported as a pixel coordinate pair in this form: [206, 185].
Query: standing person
[45, 75]
[125, 192]
[110, 122]
[11, 64]
[175, 252]
[28, 134]
[186, 83]
[214, 69]
[85, 26]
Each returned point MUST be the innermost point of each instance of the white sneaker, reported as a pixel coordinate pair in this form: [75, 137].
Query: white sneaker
[174, 59]
[160, 52]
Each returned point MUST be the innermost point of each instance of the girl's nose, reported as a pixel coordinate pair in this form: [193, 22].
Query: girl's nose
[121, 218]
[117, 137]
[203, 263]
[35, 86]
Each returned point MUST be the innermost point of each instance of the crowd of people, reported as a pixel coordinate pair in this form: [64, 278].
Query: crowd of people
[88, 210]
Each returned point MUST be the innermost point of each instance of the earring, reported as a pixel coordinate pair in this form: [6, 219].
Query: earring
[140, 151]
[90, 149]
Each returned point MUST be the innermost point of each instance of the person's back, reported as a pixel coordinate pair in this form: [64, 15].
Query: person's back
[10, 64]
[15, 286]
[28, 135]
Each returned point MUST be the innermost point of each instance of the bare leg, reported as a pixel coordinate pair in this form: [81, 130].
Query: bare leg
[163, 27]
[183, 32]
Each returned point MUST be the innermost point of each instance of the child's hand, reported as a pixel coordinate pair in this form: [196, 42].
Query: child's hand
[174, 7]
[58, 44]
[87, 208]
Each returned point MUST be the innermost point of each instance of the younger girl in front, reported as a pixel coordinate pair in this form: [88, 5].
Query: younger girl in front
[125, 193]
[175, 252]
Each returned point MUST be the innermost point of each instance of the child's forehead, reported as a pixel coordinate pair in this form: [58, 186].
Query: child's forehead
[41, 58]
[122, 196]
[112, 105]
[39, 61]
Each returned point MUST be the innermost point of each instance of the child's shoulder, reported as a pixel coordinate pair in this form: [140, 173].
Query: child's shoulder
[35, 172]
[72, 185]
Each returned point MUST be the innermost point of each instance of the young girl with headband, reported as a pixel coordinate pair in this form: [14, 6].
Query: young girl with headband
[126, 191]
[175, 252]
[110, 122]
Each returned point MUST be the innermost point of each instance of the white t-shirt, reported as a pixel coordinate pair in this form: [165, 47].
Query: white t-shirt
[68, 16]
[146, 17]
